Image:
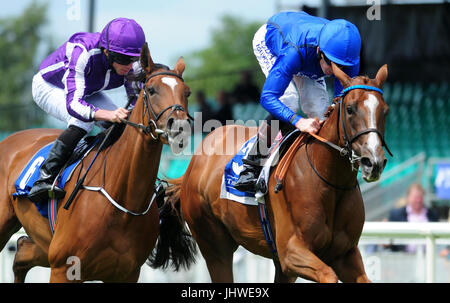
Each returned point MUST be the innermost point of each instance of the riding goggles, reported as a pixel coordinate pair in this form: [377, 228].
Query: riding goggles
[122, 59]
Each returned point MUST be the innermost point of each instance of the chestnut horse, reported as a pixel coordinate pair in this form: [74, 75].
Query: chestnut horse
[317, 218]
[111, 243]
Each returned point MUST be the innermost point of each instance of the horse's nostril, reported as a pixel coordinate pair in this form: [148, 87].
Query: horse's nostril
[366, 162]
[384, 163]
[170, 123]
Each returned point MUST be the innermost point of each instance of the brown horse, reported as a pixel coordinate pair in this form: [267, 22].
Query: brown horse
[317, 218]
[110, 243]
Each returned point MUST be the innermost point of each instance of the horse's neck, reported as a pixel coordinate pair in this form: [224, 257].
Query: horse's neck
[328, 162]
[132, 167]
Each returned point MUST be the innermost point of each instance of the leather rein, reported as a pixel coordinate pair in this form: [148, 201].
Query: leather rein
[347, 150]
[152, 128]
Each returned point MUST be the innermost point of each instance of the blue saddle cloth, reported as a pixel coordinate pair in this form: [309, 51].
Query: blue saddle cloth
[30, 174]
[234, 168]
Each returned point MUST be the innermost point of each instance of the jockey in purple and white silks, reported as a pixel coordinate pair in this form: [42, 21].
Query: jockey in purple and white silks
[69, 87]
[295, 51]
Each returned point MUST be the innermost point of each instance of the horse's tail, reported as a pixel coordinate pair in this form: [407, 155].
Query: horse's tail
[175, 246]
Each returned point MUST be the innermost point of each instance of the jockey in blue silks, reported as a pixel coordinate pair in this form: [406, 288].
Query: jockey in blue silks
[295, 51]
[69, 87]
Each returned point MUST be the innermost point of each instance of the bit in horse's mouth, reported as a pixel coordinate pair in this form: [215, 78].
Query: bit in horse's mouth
[368, 177]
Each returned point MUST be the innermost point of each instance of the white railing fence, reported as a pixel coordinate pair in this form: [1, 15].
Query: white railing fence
[252, 268]
[430, 232]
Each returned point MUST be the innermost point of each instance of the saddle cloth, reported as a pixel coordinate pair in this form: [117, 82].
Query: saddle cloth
[30, 174]
[235, 166]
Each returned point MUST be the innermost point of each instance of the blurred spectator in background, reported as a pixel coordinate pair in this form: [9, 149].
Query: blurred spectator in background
[225, 111]
[245, 90]
[413, 211]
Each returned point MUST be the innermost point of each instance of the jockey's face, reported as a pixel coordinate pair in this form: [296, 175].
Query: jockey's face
[122, 70]
[326, 68]
[324, 65]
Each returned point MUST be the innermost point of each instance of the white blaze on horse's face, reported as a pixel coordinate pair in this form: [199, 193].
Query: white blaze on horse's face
[178, 129]
[372, 163]
[373, 142]
[171, 82]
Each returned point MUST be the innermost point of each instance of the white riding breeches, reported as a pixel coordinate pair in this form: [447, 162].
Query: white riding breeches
[52, 100]
[311, 94]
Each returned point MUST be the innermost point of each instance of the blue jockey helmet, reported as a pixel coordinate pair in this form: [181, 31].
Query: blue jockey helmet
[340, 41]
[123, 36]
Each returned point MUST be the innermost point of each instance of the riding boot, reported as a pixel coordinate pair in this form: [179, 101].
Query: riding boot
[254, 162]
[58, 155]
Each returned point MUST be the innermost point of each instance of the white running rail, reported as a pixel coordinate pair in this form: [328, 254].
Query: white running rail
[394, 230]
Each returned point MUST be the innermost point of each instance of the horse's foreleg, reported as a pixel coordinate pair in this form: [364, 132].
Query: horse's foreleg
[350, 267]
[9, 224]
[215, 243]
[217, 252]
[63, 275]
[280, 277]
[298, 260]
[28, 255]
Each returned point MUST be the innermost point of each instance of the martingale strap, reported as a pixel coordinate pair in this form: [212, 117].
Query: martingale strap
[267, 230]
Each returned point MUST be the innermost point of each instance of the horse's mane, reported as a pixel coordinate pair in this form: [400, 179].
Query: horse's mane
[329, 110]
[364, 80]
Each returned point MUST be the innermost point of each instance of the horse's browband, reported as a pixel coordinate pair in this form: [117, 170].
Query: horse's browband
[164, 74]
[366, 87]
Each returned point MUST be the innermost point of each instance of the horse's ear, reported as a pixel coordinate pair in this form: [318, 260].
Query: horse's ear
[381, 76]
[341, 76]
[180, 66]
[146, 59]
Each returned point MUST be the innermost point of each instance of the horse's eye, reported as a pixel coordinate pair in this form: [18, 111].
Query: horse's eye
[188, 93]
[151, 90]
[349, 109]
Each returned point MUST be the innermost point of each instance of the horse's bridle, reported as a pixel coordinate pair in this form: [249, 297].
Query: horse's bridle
[347, 150]
[348, 141]
[152, 128]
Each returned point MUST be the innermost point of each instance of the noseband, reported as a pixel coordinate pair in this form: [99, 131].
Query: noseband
[152, 128]
[348, 141]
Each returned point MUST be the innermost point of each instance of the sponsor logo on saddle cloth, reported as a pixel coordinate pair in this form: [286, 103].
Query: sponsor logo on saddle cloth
[235, 166]
[31, 173]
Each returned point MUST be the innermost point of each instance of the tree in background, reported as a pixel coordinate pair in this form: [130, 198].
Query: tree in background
[19, 40]
[217, 67]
